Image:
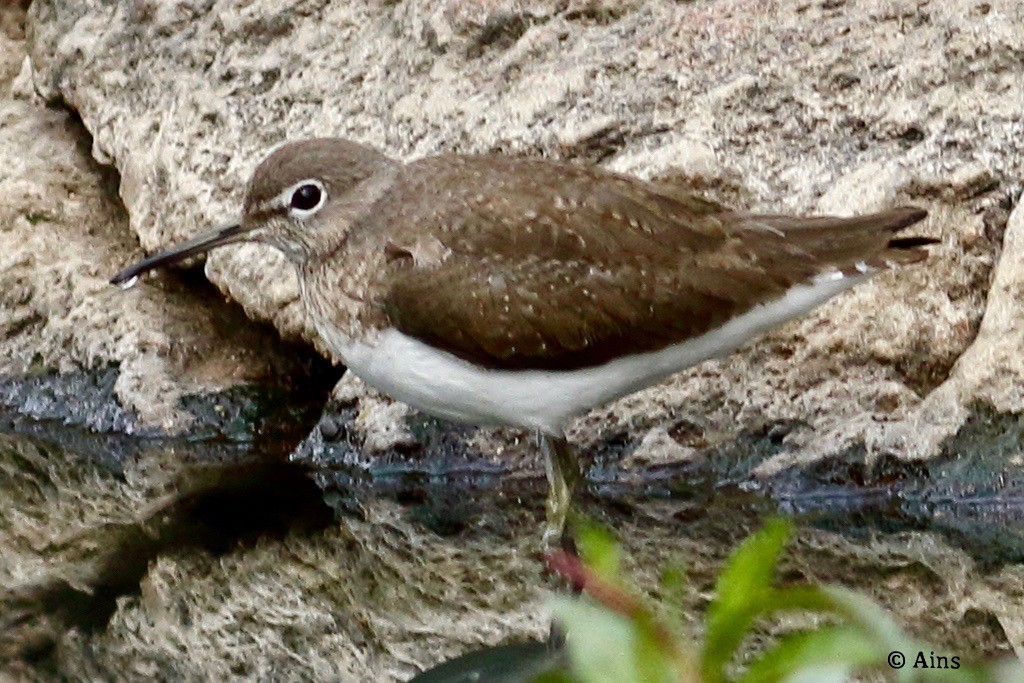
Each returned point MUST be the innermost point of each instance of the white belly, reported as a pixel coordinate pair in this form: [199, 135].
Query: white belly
[444, 385]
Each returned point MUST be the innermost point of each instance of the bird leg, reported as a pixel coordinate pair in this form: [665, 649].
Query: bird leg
[564, 475]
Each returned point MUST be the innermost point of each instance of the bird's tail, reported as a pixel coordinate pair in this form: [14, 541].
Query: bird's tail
[853, 243]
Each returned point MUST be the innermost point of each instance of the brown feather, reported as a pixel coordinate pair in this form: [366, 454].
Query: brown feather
[539, 265]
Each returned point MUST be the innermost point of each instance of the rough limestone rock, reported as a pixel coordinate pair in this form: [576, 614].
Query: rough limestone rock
[164, 561]
[124, 575]
[62, 234]
[775, 105]
[988, 372]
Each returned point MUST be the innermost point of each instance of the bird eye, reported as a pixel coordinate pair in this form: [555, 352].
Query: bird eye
[306, 198]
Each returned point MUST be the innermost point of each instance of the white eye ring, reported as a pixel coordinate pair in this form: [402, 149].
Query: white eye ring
[304, 198]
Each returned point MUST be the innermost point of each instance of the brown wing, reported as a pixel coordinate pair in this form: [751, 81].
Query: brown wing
[532, 264]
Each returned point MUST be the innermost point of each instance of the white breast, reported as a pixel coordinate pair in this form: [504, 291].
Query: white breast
[444, 385]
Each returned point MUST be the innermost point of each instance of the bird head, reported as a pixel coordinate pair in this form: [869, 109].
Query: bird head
[300, 191]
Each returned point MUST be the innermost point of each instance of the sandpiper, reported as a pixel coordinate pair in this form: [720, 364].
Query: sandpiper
[525, 292]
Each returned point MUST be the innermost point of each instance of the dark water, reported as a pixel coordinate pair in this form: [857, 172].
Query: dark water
[891, 528]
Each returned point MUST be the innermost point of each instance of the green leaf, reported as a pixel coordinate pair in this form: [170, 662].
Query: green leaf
[822, 674]
[879, 628]
[808, 598]
[598, 550]
[650, 660]
[837, 649]
[601, 644]
[676, 592]
[867, 614]
[741, 593]
[673, 577]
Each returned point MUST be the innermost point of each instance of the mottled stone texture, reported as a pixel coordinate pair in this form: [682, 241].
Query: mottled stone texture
[770, 104]
[62, 232]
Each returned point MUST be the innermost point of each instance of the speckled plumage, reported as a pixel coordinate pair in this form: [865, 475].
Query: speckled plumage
[524, 292]
[529, 264]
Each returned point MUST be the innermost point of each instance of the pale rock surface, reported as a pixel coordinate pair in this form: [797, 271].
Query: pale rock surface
[658, 446]
[373, 598]
[772, 105]
[379, 596]
[778, 104]
[380, 421]
[989, 372]
[62, 234]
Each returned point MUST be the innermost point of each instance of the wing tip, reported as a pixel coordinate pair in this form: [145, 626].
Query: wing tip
[905, 216]
[903, 251]
[913, 242]
[909, 249]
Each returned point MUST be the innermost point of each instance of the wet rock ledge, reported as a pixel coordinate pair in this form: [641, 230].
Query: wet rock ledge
[876, 106]
[134, 423]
